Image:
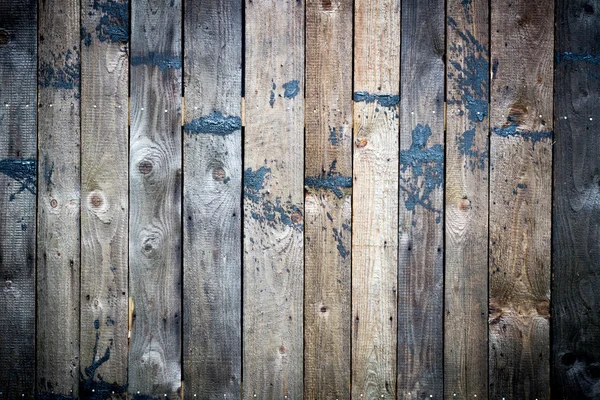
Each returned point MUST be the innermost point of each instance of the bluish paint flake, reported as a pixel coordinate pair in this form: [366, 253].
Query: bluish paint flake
[162, 61]
[519, 186]
[91, 384]
[291, 89]
[214, 123]
[66, 76]
[336, 135]
[335, 183]
[48, 170]
[272, 98]
[113, 25]
[23, 171]
[86, 37]
[467, 8]
[422, 171]
[511, 130]
[474, 158]
[571, 56]
[384, 100]
[338, 236]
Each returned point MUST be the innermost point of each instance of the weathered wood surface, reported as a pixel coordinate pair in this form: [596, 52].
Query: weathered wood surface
[58, 224]
[521, 121]
[212, 199]
[273, 200]
[105, 198]
[155, 172]
[421, 233]
[18, 158]
[576, 213]
[466, 190]
[375, 198]
[328, 206]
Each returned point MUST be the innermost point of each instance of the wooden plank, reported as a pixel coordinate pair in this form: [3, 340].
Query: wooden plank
[375, 197]
[273, 200]
[576, 212]
[421, 229]
[104, 188]
[212, 344]
[155, 267]
[520, 198]
[467, 169]
[18, 149]
[58, 242]
[328, 205]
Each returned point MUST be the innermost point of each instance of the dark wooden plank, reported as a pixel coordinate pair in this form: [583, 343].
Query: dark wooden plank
[520, 198]
[155, 252]
[104, 190]
[576, 213]
[328, 205]
[18, 148]
[467, 155]
[273, 200]
[58, 244]
[420, 274]
[375, 198]
[212, 330]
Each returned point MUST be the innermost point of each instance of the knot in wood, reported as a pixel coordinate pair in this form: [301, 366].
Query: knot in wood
[4, 37]
[219, 174]
[145, 167]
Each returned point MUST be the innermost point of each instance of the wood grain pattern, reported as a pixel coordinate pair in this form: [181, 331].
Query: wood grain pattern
[466, 208]
[18, 177]
[576, 212]
[212, 343]
[273, 200]
[421, 229]
[520, 198]
[105, 202]
[58, 221]
[328, 205]
[155, 173]
[375, 197]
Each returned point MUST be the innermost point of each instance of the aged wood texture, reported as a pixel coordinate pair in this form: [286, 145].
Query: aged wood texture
[104, 193]
[576, 213]
[375, 198]
[58, 249]
[328, 182]
[421, 234]
[273, 200]
[18, 158]
[155, 200]
[212, 199]
[466, 212]
[521, 123]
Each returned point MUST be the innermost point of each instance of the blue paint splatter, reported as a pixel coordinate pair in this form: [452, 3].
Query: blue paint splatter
[272, 95]
[426, 172]
[22, 171]
[519, 186]
[571, 56]
[215, 123]
[86, 37]
[336, 135]
[255, 180]
[163, 62]
[64, 77]
[113, 25]
[335, 183]
[511, 130]
[338, 236]
[97, 389]
[384, 100]
[291, 89]
[475, 158]
[467, 8]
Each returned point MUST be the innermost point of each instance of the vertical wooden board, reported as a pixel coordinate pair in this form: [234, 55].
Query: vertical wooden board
[466, 212]
[273, 200]
[576, 213]
[328, 206]
[58, 242]
[520, 198]
[212, 322]
[375, 198]
[18, 147]
[155, 269]
[421, 233]
[104, 190]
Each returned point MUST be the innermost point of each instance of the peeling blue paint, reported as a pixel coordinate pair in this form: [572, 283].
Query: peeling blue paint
[113, 25]
[23, 171]
[511, 130]
[291, 89]
[215, 123]
[467, 8]
[91, 385]
[384, 100]
[426, 172]
[336, 135]
[519, 186]
[335, 183]
[86, 37]
[255, 180]
[571, 56]
[475, 158]
[272, 95]
[337, 235]
[162, 61]
[64, 77]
